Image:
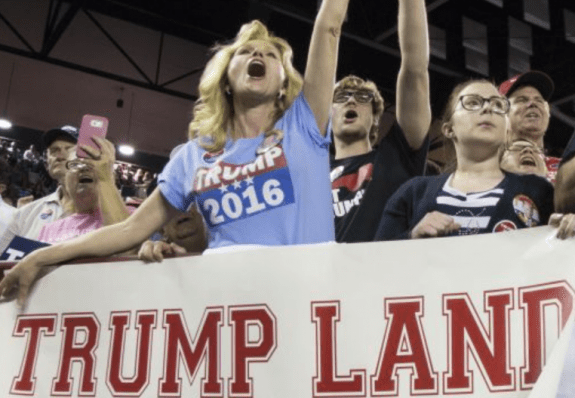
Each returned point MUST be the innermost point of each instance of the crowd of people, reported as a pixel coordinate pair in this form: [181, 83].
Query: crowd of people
[259, 168]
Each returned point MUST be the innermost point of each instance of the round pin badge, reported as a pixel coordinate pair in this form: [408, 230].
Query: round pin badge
[526, 210]
[272, 138]
[504, 225]
[46, 214]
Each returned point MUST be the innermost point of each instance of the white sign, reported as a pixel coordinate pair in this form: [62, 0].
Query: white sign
[468, 316]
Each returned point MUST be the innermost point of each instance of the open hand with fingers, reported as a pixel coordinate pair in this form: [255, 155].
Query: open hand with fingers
[434, 224]
[565, 224]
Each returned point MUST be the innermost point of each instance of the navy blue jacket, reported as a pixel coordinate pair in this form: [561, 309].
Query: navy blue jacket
[417, 197]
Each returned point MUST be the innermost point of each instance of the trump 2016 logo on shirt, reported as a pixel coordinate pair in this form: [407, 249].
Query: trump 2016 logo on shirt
[229, 192]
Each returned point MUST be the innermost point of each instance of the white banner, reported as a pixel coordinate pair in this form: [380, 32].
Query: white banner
[471, 316]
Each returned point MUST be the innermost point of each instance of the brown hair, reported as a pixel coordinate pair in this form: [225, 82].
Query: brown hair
[352, 82]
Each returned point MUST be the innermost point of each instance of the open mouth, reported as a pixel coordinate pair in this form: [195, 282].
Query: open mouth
[85, 180]
[532, 115]
[528, 161]
[350, 115]
[256, 69]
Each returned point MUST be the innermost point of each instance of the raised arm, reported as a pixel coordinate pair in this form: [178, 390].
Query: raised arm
[111, 204]
[412, 94]
[321, 65]
[149, 217]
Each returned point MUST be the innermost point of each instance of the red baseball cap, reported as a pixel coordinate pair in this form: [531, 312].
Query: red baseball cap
[541, 81]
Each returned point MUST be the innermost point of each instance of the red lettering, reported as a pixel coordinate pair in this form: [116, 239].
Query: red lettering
[491, 349]
[535, 300]
[404, 346]
[327, 383]
[135, 385]
[206, 346]
[244, 349]
[34, 326]
[81, 333]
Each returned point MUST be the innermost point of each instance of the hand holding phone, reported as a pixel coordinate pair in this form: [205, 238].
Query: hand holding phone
[92, 126]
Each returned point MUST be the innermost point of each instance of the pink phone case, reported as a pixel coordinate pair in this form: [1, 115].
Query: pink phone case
[92, 126]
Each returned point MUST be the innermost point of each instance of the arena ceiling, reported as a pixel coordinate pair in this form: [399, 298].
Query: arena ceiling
[73, 57]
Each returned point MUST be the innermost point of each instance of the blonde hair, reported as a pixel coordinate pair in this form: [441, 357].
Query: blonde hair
[214, 109]
[352, 82]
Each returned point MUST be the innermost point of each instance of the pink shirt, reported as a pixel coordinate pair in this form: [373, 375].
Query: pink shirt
[72, 226]
[69, 227]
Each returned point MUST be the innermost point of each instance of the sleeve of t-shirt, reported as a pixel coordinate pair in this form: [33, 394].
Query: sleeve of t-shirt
[174, 181]
[396, 220]
[301, 114]
[415, 159]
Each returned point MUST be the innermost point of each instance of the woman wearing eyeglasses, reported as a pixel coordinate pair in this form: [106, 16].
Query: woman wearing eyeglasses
[478, 197]
[95, 201]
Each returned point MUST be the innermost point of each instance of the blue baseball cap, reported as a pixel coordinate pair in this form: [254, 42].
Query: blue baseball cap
[67, 133]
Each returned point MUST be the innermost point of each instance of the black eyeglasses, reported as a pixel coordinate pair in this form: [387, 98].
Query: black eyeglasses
[361, 96]
[474, 102]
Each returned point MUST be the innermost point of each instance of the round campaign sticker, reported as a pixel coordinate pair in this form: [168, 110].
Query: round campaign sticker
[46, 213]
[504, 225]
[526, 210]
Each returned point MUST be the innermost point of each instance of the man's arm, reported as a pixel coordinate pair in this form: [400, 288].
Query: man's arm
[412, 94]
[111, 204]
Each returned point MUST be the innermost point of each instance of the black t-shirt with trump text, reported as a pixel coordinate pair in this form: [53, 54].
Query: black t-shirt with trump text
[361, 185]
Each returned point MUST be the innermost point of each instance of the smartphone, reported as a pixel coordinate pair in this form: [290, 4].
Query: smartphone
[92, 126]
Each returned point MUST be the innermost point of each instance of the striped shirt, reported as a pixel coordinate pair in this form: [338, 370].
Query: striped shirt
[472, 211]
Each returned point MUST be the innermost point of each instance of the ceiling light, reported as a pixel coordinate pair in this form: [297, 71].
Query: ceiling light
[127, 150]
[5, 124]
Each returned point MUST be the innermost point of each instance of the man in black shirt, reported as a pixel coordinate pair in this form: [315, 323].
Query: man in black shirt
[362, 178]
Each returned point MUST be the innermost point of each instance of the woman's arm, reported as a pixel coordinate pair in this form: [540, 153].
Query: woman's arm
[412, 98]
[319, 78]
[149, 217]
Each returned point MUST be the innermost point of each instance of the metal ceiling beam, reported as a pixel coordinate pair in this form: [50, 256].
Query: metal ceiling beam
[96, 72]
[568, 120]
[57, 29]
[366, 42]
[118, 47]
[392, 31]
[15, 31]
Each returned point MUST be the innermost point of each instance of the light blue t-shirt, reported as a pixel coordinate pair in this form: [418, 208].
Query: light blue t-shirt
[281, 197]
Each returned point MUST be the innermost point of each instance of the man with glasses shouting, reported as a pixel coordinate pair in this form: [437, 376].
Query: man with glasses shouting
[94, 199]
[364, 178]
